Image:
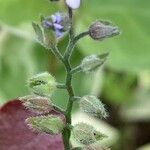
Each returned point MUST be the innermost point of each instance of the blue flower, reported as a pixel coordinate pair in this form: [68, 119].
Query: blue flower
[74, 4]
[54, 22]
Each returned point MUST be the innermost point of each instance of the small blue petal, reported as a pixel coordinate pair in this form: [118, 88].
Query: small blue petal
[58, 33]
[58, 18]
[47, 24]
[58, 26]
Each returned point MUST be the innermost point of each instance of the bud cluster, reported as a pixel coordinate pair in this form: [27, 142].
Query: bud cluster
[52, 28]
[42, 86]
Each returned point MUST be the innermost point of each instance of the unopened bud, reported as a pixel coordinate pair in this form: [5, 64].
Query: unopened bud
[100, 30]
[93, 106]
[37, 104]
[74, 4]
[46, 124]
[92, 62]
[86, 134]
[42, 84]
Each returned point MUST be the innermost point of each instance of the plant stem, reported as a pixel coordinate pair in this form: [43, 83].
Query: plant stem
[66, 61]
[57, 53]
[76, 70]
[67, 131]
[73, 42]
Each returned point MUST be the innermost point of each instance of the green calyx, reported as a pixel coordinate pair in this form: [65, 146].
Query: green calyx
[38, 104]
[46, 124]
[42, 84]
[86, 134]
[93, 106]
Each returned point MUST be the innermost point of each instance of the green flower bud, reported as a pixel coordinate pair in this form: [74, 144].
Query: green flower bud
[93, 106]
[37, 104]
[42, 84]
[86, 134]
[95, 147]
[100, 30]
[93, 62]
[46, 124]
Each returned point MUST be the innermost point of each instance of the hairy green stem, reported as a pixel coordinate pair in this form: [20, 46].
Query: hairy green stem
[72, 44]
[57, 53]
[66, 61]
[76, 70]
[67, 131]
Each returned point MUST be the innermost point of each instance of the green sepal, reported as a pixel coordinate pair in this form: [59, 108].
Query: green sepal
[86, 134]
[46, 124]
[103, 56]
[42, 84]
[93, 106]
[38, 31]
[38, 104]
[49, 37]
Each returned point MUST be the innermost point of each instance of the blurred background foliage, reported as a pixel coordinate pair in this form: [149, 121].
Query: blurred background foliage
[123, 83]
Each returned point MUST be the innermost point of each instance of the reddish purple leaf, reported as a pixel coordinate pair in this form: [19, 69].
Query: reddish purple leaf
[15, 135]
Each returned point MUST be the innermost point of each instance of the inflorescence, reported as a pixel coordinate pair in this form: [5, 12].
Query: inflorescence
[43, 85]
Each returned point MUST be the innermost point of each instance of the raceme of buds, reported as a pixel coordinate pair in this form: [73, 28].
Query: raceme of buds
[46, 124]
[100, 30]
[73, 4]
[93, 106]
[42, 84]
[86, 134]
[93, 62]
[58, 22]
[38, 104]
